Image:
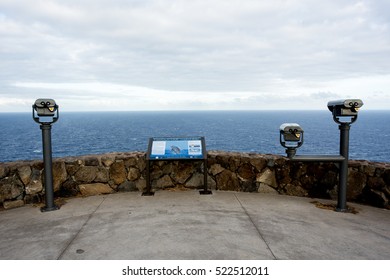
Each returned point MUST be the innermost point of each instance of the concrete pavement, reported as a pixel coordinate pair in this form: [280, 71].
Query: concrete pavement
[185, 225]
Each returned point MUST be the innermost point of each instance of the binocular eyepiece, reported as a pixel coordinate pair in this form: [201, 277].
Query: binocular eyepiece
[46, 104]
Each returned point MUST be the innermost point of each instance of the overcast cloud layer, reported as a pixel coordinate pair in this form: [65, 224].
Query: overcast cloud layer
[194, 55]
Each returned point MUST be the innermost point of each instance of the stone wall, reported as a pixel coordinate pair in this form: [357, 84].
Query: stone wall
[21, 182]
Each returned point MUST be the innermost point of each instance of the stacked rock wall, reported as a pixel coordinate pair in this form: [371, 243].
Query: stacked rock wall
[21, 182]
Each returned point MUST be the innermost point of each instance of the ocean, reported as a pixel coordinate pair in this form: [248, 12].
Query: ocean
[243, 131]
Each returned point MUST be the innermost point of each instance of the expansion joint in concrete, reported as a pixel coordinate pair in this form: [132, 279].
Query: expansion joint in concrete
[79, 231]
[255, 226]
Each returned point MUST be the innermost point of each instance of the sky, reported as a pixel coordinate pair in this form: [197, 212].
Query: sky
[132, 55]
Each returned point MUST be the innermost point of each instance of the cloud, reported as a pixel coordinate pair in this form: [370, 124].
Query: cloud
[325, 95]
[185, 49]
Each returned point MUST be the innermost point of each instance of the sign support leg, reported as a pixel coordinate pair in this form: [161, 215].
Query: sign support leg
[148, 191]
[205, 189]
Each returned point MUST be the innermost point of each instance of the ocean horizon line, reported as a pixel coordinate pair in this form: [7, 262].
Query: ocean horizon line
[198, 110]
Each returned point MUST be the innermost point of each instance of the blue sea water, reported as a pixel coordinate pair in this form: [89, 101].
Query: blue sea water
[244, 131]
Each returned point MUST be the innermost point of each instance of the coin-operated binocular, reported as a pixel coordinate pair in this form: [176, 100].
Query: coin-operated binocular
[291, 137]
[345, 112]
[45, 112]
[345, 108]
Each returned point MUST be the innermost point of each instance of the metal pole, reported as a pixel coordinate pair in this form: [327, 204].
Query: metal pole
[47, 160]
[343, 176]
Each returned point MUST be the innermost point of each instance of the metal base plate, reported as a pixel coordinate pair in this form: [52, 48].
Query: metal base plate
[205, 192]
[48, 209]
[148, 194]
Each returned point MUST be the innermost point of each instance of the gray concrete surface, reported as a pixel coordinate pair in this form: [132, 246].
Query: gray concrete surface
[186, 225]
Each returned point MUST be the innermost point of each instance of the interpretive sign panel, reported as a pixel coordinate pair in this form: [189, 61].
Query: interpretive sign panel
[176, 148]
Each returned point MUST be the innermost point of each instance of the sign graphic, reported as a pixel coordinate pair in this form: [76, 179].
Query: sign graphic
[161, 148]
